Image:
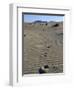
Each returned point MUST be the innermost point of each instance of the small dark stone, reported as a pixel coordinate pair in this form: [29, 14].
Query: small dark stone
[24, 35]
[45, 55]
[56, 25]
[41, 71]
[48, 46]
[46, 24]
[55, 68]
[46, 66]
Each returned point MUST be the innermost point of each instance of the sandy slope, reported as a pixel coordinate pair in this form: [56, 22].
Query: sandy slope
[43, 45]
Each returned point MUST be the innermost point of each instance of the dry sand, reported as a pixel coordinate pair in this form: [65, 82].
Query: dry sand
[43, 45]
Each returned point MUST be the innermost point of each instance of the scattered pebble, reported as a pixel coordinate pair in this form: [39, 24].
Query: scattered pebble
[24, 35]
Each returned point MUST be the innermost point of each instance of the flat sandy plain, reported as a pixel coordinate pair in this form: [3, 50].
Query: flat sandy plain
[43, 45]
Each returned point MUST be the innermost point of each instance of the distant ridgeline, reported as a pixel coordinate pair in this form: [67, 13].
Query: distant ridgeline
[40, 21]
[46, 23]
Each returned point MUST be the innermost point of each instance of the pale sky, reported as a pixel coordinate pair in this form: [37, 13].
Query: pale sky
[34, 17]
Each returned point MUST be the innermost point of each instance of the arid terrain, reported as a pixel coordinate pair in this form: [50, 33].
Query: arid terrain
[43, 45]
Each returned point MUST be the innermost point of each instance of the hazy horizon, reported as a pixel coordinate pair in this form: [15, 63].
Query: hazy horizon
[29, 18]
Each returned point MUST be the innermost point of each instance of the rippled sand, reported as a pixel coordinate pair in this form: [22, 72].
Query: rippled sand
[43, 45]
